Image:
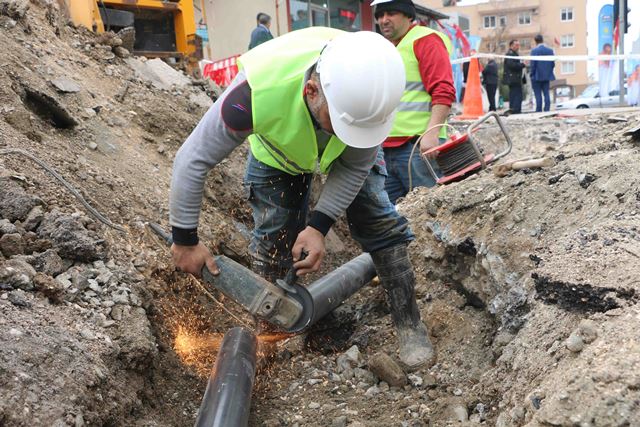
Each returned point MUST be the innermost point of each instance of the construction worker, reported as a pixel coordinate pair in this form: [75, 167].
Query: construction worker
[427, 98]
[312, 95]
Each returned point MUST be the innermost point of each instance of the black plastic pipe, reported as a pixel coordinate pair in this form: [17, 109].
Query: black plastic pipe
[227, 399]
[328, 292]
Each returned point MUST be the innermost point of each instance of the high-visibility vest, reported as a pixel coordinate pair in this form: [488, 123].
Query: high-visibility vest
[414, 111]
[284, 135]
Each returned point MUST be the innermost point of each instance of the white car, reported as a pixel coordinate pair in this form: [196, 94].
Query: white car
[590, 98]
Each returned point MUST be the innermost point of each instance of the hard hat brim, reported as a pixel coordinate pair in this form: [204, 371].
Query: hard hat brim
[360, 136]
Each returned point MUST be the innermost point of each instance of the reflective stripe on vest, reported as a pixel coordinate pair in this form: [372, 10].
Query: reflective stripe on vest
[284, 135]
[414, 111]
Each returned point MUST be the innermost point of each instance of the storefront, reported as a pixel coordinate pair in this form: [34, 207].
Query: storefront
[348, 15]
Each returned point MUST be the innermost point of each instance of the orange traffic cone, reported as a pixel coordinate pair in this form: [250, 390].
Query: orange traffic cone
[472, 103]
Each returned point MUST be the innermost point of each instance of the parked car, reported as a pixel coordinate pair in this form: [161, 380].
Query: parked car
[590, 98]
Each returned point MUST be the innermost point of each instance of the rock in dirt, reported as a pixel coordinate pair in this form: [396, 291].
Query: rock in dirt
[385, 368]
[19, 298]
[49, 287]
[121, 52]
[353, 354]
[11, 244]
[72, 240]
[66, 85]
[15, 9]
[575, 343]
[33, 219]
[6, 227]
[137, 344]
[50, 263]
[17, 273]
[15, 203]
[158, 73]
[587, 330]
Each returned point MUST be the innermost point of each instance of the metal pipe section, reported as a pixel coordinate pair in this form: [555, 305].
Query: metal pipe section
[328, 292]
[227, 399]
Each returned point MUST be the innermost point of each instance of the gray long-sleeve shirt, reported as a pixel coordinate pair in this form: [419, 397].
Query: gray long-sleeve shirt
[213, 139]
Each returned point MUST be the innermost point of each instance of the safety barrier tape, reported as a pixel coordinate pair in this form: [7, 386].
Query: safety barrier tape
[561, 58]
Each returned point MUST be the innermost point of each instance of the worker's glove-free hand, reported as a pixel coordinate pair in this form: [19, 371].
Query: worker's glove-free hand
[427, 142]
[191, 259]
[311, 241]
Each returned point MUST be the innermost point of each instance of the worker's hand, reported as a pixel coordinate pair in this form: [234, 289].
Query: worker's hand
[191, 259]
[427, 142]
[311, 241]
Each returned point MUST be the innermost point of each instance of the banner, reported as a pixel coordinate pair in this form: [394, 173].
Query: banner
[605, 27]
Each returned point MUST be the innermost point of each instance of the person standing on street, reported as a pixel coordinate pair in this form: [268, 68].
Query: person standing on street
[261, 33]
[313, 97]
[513, 77]
[427, 97]
[542, 74]
[490, 82]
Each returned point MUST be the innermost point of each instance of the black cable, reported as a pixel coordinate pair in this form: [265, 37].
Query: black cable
[457, 158]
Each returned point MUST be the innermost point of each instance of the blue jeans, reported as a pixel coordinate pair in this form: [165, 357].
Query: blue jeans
[397, 158]
[541, 88]
[280, 204]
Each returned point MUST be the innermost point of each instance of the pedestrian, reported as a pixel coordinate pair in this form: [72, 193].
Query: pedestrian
[261, 33]
[427, 98]
[490, 82]
[512, 76]
[542, 74]
[332, 103]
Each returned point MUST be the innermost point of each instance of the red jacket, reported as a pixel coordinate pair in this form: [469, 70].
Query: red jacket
[437, 77]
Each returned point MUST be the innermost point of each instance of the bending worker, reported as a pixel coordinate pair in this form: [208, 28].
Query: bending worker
[316, 95]
[427, 98]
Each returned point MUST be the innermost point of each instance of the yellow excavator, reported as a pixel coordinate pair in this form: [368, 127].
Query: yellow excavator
[163, 29]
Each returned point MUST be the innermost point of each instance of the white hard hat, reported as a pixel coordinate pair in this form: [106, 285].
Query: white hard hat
[363, 79]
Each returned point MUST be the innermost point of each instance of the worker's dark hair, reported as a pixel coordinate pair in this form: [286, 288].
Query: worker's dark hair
[512, 42]
[538, 39]
[263, 18]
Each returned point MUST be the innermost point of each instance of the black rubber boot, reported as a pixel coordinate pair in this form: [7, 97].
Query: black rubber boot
[396, 275]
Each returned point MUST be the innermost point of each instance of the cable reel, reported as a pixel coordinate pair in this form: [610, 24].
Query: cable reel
[460, 156]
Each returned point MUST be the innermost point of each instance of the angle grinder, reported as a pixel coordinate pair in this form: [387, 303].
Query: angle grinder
[284, 304]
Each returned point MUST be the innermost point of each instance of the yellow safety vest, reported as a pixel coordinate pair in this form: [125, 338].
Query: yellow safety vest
[284, 136]
[414, 111]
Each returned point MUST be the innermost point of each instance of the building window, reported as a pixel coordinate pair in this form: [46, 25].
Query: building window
[345, 15]
[502, 20]
[525, 44]
[489, 22]
[524, 18]
[502, 47]
[568, 67]
[299, 14]
[342, 14]
[568, 40]
[566, 14]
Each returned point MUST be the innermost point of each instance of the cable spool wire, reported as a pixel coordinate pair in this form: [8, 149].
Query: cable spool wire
[457, 158]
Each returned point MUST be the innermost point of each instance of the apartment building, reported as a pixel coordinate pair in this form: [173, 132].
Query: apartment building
[562, 23]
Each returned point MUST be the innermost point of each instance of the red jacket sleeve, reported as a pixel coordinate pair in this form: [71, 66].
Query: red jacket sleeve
[435, 69]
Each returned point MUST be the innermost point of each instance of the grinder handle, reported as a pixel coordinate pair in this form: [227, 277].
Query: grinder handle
[291, 278]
